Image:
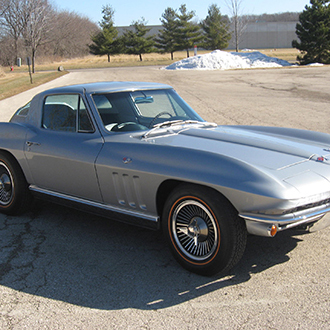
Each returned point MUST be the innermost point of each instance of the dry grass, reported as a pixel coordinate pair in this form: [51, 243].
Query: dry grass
[2, 73]
[13, 83]
[287, 54]
[92, 61]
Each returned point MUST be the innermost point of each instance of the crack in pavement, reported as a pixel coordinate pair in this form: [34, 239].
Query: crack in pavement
[20, 248]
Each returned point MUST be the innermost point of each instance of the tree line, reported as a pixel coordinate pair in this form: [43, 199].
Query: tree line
[180, 31]
[31, 27]
[28, 27]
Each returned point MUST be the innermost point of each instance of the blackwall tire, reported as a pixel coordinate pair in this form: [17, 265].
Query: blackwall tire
[15, 197]
[203, 230]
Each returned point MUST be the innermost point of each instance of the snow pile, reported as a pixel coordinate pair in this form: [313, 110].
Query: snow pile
[220, 60]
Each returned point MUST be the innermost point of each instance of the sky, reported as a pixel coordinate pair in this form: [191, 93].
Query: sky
[127, 11]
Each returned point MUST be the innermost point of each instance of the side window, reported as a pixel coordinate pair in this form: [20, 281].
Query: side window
[66, 113]
[108, 113]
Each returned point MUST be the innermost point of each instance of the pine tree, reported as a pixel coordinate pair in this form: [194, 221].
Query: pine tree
[313, 30]
[216, 29]
[136, 41]
[188, 33]
[106, 42]
[166, 38]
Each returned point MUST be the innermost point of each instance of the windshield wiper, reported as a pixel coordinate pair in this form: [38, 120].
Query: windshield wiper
[171, 123]
[175, 122]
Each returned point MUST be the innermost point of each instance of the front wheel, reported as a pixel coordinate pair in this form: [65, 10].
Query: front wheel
[203, 229]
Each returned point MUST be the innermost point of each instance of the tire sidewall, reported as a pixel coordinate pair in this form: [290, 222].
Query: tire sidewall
[221, 210]
[19, 192]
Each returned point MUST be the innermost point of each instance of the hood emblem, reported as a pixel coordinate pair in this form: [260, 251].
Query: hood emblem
[320, 159]
[127, 160]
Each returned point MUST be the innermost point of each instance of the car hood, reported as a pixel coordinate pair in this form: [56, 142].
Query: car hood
[270, 150]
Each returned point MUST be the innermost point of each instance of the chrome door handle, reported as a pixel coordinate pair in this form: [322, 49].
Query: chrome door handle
[29, 143]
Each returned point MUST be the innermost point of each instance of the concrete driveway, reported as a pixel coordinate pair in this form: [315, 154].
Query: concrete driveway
[64, 269]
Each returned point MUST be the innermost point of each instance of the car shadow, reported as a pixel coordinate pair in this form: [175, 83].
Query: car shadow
[71, 256]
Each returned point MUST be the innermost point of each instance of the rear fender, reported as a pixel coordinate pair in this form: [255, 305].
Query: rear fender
[12, 141]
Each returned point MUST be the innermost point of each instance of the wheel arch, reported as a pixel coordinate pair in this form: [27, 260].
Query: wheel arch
[21, 198]
[14, 159]
[168, 186]
[9, 154]
[23, 167]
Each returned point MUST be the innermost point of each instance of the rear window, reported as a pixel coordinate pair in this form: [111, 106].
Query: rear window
[24, 110]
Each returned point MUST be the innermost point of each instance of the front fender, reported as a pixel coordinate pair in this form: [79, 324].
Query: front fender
[151, 165]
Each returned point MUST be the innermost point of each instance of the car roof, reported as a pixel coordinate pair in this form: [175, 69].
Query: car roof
[107, 87]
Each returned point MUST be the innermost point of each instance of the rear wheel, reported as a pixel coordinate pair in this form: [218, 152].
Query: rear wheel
[203, 229]
[14, 194]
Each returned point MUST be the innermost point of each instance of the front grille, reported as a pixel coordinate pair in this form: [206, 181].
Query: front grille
[308, 206]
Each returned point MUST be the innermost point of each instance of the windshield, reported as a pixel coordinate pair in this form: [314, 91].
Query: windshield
[142, 110]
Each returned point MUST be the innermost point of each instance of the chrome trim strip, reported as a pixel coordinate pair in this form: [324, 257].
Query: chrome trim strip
[290, 220]
[154, 219]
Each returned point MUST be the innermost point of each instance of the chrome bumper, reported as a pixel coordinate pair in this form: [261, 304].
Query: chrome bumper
[315, 219]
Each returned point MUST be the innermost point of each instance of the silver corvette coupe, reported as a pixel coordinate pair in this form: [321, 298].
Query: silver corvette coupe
[136, 152]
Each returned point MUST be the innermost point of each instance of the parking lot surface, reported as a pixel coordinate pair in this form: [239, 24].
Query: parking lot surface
[64, 269]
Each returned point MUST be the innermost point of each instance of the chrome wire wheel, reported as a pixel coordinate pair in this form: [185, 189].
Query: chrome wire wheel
[203, 229]
[6, 185]
[194, 230]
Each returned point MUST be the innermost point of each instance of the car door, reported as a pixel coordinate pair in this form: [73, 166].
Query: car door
[61, 153]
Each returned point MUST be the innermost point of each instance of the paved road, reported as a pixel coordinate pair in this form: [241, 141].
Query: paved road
[63, 269]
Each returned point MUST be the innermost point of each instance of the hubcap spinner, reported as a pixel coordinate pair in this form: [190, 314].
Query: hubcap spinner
[198, 229]
[5, 182]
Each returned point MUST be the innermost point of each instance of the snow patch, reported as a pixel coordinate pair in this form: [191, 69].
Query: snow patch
[220, 60]
[315, 64]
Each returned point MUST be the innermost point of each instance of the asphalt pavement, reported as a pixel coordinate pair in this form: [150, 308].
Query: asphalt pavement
[65, 269]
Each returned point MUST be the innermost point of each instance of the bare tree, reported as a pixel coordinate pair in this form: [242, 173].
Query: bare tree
[28, 26]
[37, 25]
[6, 50]
[71, 35]
[239, 21]
[12, 22]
